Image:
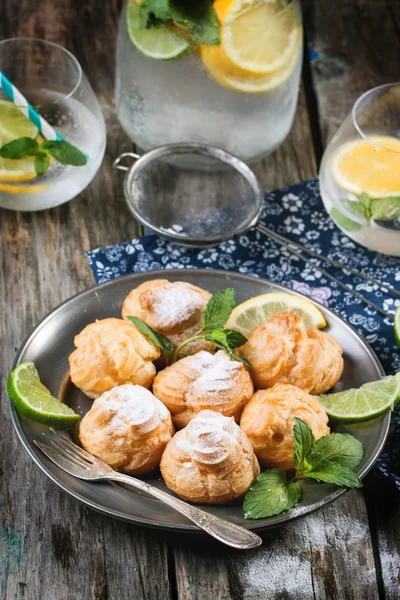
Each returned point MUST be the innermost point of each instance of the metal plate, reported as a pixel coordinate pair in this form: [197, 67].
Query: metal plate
[49, 345]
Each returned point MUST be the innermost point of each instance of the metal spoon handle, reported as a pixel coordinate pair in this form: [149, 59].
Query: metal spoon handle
[226, 532]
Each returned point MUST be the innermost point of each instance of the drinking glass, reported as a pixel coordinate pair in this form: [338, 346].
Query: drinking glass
[200, 96]
[52, 81]
[360, 171]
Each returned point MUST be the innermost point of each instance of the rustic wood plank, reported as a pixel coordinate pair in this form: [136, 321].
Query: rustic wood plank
[361, 51]
[51, 547]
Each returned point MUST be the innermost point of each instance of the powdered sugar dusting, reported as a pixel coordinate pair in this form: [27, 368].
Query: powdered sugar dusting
[217, 371]
[176, 304]
[209, 437]
[133, 406]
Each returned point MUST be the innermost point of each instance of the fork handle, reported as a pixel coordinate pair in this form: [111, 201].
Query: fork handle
[226, 532]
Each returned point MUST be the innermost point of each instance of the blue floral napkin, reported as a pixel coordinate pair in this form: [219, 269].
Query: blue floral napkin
[297, 213]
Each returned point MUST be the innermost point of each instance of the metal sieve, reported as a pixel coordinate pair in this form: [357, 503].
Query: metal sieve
[190, 193]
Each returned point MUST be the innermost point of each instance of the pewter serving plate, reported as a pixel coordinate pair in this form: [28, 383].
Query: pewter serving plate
[49, 345]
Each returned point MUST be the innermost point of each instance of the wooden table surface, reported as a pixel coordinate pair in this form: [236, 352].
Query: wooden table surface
[51, 546]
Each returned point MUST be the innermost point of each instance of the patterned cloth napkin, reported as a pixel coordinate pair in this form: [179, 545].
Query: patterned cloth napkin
[297, 213]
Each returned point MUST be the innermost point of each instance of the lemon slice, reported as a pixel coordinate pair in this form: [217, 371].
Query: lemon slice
[14, 124]
[258, 36]
[248, 315]
[371, 166]
[227, 74]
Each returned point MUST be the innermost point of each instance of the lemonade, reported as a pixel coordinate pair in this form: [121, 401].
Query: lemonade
[37, 172]
[239, 94]
[360, 172]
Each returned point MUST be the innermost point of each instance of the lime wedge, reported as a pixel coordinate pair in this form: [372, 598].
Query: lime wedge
[161, 43]
[397, 326]
[34, 400]
[14, 124]
[368, 402]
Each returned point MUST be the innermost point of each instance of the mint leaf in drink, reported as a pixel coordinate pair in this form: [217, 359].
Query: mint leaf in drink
[42, 163]
[270, 495]
[304, 443]
[153, 13]
[65, 153]
[199, 17]
[344, 221]
[340, 448]
[218, 309]
[159, 340]
[20, 148]
[386, 209]
[333, 472]
[355, 207]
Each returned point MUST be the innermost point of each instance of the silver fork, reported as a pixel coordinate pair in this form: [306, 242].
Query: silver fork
[79, 463]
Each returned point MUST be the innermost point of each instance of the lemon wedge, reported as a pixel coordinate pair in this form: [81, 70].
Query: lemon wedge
[259, 36]
[247, 316]
[371, 166]
[13, 125]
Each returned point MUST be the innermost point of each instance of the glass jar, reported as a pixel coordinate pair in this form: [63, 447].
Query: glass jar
[360, 171]
[200, 95]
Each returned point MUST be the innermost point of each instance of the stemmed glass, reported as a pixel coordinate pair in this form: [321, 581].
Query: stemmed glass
[52, 81]
[360, 171]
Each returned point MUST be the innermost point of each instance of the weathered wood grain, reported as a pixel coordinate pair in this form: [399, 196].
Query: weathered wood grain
[361, 51]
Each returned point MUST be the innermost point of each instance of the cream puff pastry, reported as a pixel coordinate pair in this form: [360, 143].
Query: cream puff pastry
[111, 352]
[211, 461]
[127, 428]
[203, 381]
[268, 421]
[283, 350]
[173, 309]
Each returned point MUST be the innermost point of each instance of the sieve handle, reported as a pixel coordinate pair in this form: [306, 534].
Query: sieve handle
[116, 164]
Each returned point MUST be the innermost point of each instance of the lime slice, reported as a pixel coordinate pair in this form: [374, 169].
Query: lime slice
[368, 402]
[161, 43]
[248, 315]
[397, 326]
[14, 124]
[34, 400]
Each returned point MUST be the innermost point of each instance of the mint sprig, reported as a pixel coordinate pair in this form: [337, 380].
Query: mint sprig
[376, 209]
[330, 459]
[198, 18]
[62, 151]
[216, 314]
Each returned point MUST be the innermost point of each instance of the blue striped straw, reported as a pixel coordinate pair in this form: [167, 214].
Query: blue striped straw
[22, 103]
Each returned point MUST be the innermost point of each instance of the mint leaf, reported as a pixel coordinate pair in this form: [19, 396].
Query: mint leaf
[228, 339]
[153, 13]
[270, 495]
[199, 17]
[340, 448]
[158, 339]
[344, 221]
[386, 209]
[42, 163]
[65, 153]
[354, 206]
[20, 148]
[218, 309]
[304, 442]
[332, 472]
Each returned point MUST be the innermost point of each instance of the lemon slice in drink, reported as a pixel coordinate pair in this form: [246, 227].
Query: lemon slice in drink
[227, 74]
[368, 402]
[34, 400]
[371, 166]
[248, 315]
[13, 125]
[259, 36]
[161, 43]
